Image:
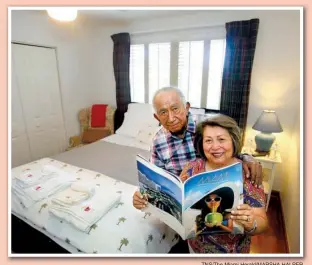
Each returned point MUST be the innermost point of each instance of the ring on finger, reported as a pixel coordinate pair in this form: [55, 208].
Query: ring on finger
[248, 218]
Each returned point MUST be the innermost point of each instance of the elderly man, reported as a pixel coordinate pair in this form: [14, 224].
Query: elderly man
[173, 144]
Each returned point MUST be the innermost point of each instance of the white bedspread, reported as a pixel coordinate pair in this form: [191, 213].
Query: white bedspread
[126, 141]
[123, 229]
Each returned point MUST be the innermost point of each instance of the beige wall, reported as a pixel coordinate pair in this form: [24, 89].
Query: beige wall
[290, 193]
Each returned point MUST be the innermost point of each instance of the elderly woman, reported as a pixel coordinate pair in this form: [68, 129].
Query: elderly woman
[218, 141]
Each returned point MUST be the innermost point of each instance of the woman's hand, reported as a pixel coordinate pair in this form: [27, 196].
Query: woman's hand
[139, 201]
[244, 215]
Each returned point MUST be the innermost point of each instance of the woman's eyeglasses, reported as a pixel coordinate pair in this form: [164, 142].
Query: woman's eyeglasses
[216, 199]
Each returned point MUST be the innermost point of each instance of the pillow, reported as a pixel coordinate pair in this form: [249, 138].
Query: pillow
[147, 133]
[138, 116]
[129, 127]
[142, 110]
[98, 115]
[93, 135]
[146, 107]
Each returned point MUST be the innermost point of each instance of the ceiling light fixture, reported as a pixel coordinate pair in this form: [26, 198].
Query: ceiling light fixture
[62, 14]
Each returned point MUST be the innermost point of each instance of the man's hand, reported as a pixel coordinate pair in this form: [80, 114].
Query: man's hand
[139, 201]
[252, 169]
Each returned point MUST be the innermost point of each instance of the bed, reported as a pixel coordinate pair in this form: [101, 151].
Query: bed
[109, 165]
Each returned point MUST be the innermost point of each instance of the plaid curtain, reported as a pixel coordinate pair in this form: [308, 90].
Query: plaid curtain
[241, 38]
[121, 59]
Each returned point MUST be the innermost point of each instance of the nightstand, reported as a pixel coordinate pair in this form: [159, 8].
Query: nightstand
[268, 163]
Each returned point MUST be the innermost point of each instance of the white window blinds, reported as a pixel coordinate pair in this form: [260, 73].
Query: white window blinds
[190, 70]
[189, 59]
[216, 62]
[137, 73]
[159, 67]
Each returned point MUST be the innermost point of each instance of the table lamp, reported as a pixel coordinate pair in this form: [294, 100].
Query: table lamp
[267, 124]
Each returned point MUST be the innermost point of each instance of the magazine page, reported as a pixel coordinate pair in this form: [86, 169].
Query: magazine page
[209, 198]
[163, 192]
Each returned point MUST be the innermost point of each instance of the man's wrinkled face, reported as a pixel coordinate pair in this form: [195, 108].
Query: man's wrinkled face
[170, 111]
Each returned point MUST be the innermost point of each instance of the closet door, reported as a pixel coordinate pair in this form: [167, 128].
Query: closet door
[20, 151]
[38, 84]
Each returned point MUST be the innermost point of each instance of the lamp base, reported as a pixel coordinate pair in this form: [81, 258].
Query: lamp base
[264, 142]
[259, 153]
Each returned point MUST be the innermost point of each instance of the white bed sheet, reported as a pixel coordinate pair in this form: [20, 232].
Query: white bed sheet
[127, 141]
[123, 229]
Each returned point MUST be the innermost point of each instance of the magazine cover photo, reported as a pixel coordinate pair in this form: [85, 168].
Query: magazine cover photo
[209, 200]
[162, 193]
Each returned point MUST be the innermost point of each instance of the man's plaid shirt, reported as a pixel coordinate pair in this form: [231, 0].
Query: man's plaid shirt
[171, 152]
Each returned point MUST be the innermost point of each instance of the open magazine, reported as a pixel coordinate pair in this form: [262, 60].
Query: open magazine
[201, 205]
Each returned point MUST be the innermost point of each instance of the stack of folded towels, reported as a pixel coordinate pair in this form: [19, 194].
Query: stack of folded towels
[32, 186]
[83, 204]
[79, 203]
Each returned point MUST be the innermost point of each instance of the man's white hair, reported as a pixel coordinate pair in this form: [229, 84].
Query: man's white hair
[169, 88]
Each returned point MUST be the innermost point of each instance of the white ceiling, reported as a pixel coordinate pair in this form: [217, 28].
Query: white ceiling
[128, 15]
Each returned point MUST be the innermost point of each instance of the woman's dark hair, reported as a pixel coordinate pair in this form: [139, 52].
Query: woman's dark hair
[218, 120]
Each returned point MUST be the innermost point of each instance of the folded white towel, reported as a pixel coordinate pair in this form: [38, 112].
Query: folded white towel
[31, 195]
[83, 216]
[76, 193]
[31, 177]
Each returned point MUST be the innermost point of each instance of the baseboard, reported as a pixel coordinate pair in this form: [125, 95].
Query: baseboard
[275, 195]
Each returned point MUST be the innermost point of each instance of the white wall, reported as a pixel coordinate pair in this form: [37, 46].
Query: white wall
[84, 59]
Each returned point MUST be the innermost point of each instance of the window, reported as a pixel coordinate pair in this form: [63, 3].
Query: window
[216, 61]
[195, 66]
[190, 70]
[137, 73]
[158, 67]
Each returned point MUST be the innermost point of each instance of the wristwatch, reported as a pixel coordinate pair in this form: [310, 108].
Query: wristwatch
[253, 229]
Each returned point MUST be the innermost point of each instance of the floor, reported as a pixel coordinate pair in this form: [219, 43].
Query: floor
[273, 240]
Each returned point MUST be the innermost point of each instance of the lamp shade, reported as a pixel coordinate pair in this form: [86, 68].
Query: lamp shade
[268, 122]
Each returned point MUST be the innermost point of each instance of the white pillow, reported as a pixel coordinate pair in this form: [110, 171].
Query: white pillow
[140, 107]
[138, 117]
[146, 134]
[130, 127]
[142, 111]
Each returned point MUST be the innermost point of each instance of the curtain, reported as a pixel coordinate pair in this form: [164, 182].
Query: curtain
[241, 38]
[121, 59]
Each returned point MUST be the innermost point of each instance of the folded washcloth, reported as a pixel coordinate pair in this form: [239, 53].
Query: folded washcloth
[31, 195]
[31, 177]
[83, 216]
[76, 193]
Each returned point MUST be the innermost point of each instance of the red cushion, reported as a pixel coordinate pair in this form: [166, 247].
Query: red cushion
[98, 115]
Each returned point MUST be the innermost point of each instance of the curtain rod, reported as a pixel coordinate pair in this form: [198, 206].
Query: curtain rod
[173, 29]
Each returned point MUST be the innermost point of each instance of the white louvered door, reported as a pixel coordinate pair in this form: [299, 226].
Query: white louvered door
[37, 101]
